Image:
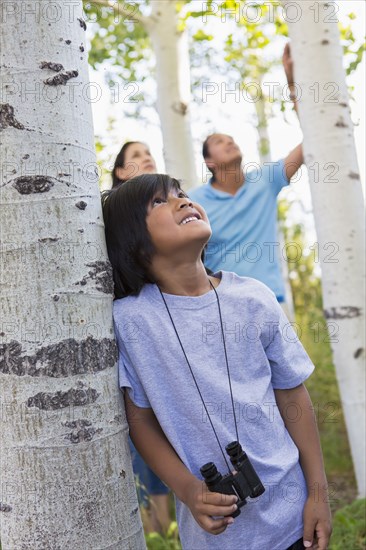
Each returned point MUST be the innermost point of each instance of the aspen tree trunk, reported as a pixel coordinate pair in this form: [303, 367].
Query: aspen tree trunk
[170, 46]
[264, 148]
[66, 476]
[330, 156]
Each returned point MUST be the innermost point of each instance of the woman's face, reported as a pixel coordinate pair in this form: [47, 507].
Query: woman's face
[138, 161]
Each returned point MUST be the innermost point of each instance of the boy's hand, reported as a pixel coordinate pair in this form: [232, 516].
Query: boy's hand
[317, 524]
[204, 505]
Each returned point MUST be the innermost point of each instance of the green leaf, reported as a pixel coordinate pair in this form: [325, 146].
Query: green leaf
[201, 35]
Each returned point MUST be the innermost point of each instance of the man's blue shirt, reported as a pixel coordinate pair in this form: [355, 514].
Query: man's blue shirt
[244, 226]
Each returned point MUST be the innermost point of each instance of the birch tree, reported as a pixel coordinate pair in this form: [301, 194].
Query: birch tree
[66, 476]
[168, 39]
[330, 156]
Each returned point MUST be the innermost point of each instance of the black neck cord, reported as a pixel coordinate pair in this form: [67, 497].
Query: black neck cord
[194, 378]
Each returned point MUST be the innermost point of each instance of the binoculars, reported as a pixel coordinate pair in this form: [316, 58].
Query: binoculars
[244, 483]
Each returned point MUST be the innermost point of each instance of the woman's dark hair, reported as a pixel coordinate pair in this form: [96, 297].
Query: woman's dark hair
[120, 163]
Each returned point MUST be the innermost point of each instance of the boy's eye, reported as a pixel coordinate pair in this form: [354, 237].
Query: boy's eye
[158, 200]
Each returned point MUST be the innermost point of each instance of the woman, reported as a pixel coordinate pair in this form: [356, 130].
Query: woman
[134, 159]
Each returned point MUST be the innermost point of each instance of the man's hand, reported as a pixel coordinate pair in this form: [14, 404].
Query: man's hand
[205, 506]
[288, 64]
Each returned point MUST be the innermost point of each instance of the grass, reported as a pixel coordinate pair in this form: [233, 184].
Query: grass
[155, 541]
[349, 531]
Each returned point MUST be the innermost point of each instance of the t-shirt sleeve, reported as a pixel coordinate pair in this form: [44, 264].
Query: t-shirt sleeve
[128, 377]
[290, 364]
[277, 175]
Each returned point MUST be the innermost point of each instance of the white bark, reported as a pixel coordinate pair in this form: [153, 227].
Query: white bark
[66, 476]
[338, 203]
[170, 46]
[262, 128]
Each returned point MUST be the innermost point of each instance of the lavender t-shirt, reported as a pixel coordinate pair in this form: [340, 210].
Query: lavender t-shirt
[264, 354]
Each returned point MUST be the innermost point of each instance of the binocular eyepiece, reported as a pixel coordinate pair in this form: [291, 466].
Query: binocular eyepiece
[244, 483]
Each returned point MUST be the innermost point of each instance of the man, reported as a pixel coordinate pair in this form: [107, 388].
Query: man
[242, 206]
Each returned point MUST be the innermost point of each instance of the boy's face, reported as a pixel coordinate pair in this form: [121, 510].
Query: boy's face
[177, 225]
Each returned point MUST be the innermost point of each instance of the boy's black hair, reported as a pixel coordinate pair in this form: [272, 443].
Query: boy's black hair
[120, 162]
[128, 241]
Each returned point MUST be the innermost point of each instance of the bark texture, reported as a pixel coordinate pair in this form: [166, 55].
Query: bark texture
[66, 476]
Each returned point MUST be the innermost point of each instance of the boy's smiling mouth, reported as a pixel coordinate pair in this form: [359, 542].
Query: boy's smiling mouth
[192, 217]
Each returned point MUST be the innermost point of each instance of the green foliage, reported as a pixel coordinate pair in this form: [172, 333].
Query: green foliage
[155, 541]
[245, 46]
[201, 35]
[357, 60]
[349, 527]
[123, 43]
[352, 50]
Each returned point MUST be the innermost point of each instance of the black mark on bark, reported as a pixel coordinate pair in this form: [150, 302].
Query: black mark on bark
[5, 507]
[354, 176]
[27, 185]
[67, 358]
[60, 400]
[81, 48]
[82, 23]
[342, 312]
[68, 42]
[358, 353]
[134, 512]
[81, 205]
[8, 119]
[101, 273]
[324, 42]
[82, 430]
[49, 240]
[122, 474]
[57, 67]
[61, 79]
[180, 107]
[341, 124]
